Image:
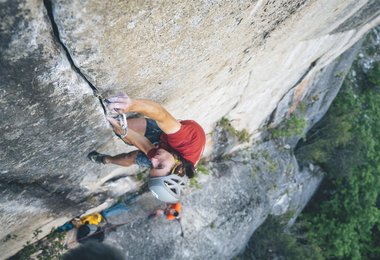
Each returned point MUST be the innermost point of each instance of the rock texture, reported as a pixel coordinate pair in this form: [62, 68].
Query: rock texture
[243, 185]
[203, 60]
[219, 218]
[182, 54]
[50, 120]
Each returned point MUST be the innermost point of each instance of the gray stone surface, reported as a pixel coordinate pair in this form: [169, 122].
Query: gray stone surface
[314, 93]
[148, 48]
[219, 217]
[365, 14]
[203, 60]
[49, 121]
[242, 187]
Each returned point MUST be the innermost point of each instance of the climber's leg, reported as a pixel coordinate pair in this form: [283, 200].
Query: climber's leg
[140, 126]
[137, 124]
[124, 159]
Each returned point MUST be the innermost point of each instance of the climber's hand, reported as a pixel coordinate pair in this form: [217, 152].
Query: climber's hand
[119, 103]
[116, 125]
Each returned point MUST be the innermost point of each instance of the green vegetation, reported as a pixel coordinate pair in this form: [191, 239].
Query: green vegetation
[9, 237]
[270, 163]
[302, 107]
[344, 217]
[271, 242]
[36, 233]
[226, 157]
[242, 136]
[272, 166]
[266, 155]
[315, 98]
[201, 167]
[374, 75]
[194, 183]
[213, 225]
[254, 171]
[254, 155]
[339, 75]
[142, 175]
[335, 133]
[49, 248]
[292, 126]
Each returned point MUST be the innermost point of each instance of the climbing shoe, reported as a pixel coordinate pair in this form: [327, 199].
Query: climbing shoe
[96, 157]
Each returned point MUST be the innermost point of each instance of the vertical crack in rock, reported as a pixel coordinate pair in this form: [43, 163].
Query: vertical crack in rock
[49, 8]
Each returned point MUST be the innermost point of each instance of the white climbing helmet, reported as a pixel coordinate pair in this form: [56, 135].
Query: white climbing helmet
[167, 188]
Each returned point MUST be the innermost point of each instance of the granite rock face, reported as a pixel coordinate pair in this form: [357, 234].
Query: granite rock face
[49, 120]
[209, 54]
[219, 217]
[243, 184]
[203, 60]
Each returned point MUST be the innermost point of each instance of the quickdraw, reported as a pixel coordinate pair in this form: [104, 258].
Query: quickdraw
[123, 124]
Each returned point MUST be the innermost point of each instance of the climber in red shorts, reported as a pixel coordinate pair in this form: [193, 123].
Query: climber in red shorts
[169, 147]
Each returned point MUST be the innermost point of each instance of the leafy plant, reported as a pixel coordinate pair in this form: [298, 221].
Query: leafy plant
[374, 75]
[254, 170]
[270, 163]
[142, 175]
[9, 237]
[49, 248]
[271, 242]
[212, 225]
[344, 218]
[242, 136]
[36, 233]
[194, 183]
[292, 126]
[201, 167]
[272, 166]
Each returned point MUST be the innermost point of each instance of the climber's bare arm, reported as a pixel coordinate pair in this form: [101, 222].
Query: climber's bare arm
[148, 108]
[134, 138]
